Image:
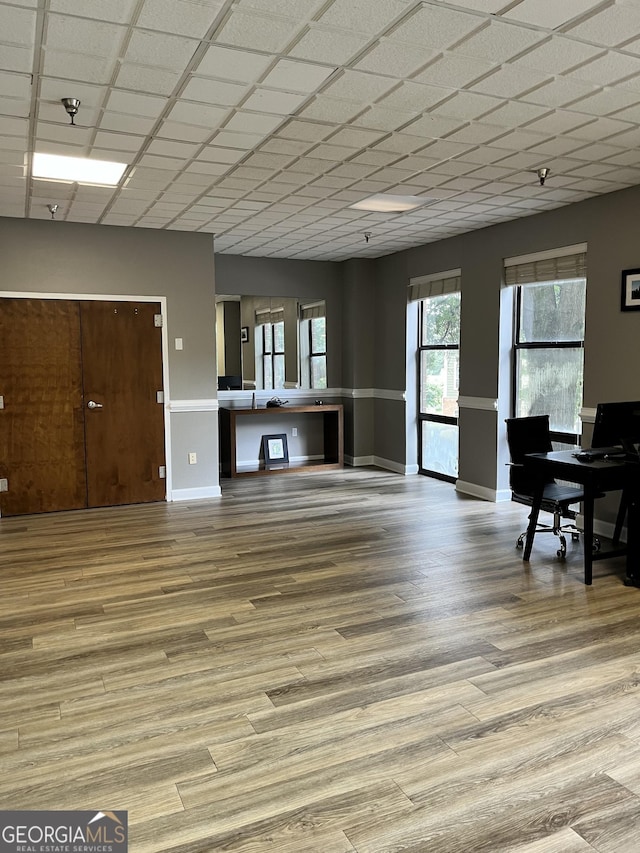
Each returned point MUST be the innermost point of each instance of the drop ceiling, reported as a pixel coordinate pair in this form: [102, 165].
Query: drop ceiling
[263, 121]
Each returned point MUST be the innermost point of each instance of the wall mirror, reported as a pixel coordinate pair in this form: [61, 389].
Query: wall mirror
[270, 343]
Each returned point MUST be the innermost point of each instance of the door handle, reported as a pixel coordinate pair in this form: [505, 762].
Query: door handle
[93, 405]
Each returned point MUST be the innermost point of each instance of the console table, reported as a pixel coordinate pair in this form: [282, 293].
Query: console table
[333, 429]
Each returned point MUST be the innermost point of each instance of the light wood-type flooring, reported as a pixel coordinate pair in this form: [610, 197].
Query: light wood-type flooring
[338, 662]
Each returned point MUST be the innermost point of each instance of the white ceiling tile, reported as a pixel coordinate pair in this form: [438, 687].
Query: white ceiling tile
[243, 141]
[514, 113]
[379, 118]
[607, 101]
[559, 92]
[433, 126]
[143, 78]
[559, 122]
[295, 76]
[198, 114]
[71, 66]
[160, 50]
[148, 106]
[359, 86]
[15, 85]
[330, 46]
[118, 11]
[285, 146]
[153, 161]
[17, 26]
[410, 96]
[16, 58]
[125, 142]
[10, 126]
[476, 133]
[557, 55]
[298, 10]
[248, 122]
[14, 107]
[499, 42]
[549, 13]
[305, 130]
[228, 63]
[217, 92]
[268, 101]
[257, 31]
[601, 129]
[385, 58]
[519, 140]
[455, 71]
[363, 16]
[468, 106]
[63, 133]
[509, 82]
[126, 124]
[435, 27]
[180, 17]
[402, 143]
[611, 26]
[90, 37]
[169, 148]
[557, 146]
[326, 109]
[608, 69]
[354, 137]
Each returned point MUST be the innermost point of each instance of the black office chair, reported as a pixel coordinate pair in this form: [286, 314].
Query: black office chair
[531, 435]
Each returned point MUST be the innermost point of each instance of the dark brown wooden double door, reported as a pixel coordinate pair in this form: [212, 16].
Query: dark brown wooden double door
[81, 422]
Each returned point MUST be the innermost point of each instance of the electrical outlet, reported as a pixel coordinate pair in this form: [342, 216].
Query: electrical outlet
[294, 431]
[193, 458]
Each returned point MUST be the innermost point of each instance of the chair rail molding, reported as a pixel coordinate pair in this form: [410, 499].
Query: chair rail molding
[193, 405]
[487, 404]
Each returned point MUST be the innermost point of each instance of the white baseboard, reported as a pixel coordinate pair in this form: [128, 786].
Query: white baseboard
[482, 492]
[198, 494]
[380, 462]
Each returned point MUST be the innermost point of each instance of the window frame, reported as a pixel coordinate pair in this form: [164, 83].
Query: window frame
[430, 417]
[569, 439]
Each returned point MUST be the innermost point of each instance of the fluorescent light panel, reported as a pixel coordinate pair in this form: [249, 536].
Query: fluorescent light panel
[387, 203]
[79, 170]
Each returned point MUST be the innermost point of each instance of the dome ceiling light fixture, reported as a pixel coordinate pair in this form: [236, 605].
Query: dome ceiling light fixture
[71, 105]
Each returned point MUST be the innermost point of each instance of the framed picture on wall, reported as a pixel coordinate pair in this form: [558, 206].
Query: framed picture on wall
[244, 334]
[274, 449]
[630, 290]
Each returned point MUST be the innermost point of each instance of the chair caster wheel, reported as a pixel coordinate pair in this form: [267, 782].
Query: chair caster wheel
[560, 553]
[596, 546]
[520, 544]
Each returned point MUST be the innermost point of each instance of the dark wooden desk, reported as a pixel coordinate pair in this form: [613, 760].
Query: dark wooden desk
[599, 475]
[333, 431]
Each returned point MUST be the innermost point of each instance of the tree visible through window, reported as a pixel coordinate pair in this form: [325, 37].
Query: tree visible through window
[549, 354]
[439, 380]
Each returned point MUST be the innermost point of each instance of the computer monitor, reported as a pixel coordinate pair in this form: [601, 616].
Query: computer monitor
[229, 383]
[617, 424]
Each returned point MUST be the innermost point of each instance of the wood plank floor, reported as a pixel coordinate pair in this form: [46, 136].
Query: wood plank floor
[339, 662]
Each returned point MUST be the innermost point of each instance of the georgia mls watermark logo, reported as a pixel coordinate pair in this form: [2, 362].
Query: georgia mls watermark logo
[63, 832]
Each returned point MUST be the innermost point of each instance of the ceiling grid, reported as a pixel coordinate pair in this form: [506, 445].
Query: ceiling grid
[262, 121]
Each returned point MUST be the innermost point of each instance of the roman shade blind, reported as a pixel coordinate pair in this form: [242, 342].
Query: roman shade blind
[311, 311]
[434, 285]
[554, 265]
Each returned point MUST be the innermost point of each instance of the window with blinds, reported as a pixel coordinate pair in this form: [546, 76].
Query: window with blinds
[549, 338]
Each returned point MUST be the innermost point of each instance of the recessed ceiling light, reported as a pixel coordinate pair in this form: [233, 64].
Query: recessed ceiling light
[387, 203]
[80, 170]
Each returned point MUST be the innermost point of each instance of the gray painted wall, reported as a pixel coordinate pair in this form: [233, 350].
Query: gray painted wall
[72, 258]
[369, 341]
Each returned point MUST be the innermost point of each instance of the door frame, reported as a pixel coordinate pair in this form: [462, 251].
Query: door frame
[100, 297]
